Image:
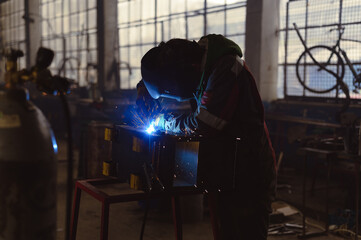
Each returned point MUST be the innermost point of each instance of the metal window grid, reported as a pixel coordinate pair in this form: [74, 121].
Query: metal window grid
[12, 28]
[143, 24]
[316, 19]
[69, 28]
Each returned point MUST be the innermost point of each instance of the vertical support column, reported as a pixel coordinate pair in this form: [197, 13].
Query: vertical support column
[2, 60]
[329, 160]
[212, 205]
[108, 69]
[205, 18]
[155, 22]
[357, 200]
[32, 30]
[304, 195]
[261, 52]
[177, 217]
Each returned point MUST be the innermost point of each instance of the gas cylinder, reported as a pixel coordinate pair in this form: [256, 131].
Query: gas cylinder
[27, 170]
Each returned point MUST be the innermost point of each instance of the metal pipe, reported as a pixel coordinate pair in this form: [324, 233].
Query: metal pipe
[286, 48]
[186, 18]
[27, 32]
[305, 59]
[155, 22]
[101, 47]
[205, 18]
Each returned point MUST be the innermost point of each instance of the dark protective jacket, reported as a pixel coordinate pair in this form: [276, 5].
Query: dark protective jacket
[237, 152]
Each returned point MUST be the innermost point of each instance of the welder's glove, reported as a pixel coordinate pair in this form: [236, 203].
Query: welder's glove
[146, 104]
[159, 122]
[167, 123]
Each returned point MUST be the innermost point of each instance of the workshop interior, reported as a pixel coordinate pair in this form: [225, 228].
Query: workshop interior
[79, 159]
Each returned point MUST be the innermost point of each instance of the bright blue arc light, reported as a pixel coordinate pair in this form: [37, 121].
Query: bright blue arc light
[151, 128]
[53, 141]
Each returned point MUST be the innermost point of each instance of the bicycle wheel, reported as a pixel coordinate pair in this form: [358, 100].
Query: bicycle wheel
[317, 72]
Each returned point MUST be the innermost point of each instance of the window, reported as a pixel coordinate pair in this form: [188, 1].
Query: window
[320, 23]
[143, 24]
[12, 28]
[69, 28]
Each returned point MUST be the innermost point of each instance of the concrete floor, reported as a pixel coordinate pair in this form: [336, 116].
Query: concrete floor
[126, 219]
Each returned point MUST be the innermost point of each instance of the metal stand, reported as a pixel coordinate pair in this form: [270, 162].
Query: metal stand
[357, 176]
[320, 154]
[355, 159]
[330, 156]
[127, 195]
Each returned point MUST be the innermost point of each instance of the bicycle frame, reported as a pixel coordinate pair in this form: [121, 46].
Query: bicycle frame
[313, 59]
[350, 65]
[339, 79]
[338, 49]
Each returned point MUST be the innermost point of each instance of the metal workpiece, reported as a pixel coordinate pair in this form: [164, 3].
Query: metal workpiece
[172, 161]
[27, 170]
[178, 161]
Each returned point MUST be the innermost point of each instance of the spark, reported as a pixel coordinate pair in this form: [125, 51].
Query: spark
[145, 120]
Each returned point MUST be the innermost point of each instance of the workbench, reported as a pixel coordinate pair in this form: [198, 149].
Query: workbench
[329, 156]
[126, 194]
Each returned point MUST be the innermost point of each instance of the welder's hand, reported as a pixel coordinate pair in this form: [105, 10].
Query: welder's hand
[144, 101]
[159, 122]
[167, 123]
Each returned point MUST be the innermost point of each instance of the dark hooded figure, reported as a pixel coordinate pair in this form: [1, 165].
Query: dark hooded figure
[238, 162]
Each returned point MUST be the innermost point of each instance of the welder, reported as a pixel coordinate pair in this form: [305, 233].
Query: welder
[239, 170]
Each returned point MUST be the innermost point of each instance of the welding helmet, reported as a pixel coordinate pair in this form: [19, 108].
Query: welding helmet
[172, 69]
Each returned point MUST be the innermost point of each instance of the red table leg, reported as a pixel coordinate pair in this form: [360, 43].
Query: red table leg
[75, 214]
[104, 221]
